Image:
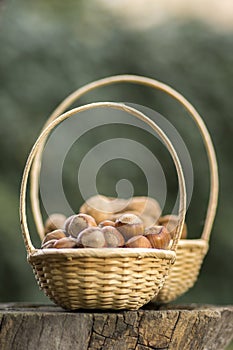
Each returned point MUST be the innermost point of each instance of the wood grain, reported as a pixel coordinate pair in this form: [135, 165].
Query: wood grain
[45, 327]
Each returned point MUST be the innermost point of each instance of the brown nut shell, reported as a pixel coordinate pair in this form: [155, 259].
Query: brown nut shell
[146, 219]
[158, 236]
[129, 226]
[99, 207]
[106, 223]
[79, 223]
[113, 237]
[171, 222]
[91, 237]
[67, 222]
[49, 244]
[145, 206]
[110, 208]
[56, 234]
[66, 242]
[138, 242]
[54, 222]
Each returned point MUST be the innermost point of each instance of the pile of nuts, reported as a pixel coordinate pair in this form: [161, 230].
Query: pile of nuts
[122, 229]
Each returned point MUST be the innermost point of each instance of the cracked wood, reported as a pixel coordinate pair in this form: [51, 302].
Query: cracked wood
[174, 327]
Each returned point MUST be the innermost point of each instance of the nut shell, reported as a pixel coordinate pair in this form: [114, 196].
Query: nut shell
[113, 237]
[106, 223]
[129, 226]
[145, 206]
[79, 223]
[138, 242]
[66, 242]
[171, 222]
[49, 244]
[54, 222]
[110, 208]
[158, 236]
[67, 222]
[91, 237]
[56, 234]
[102, 208]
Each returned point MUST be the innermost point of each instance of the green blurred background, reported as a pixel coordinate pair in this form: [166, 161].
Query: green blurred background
[50, 48]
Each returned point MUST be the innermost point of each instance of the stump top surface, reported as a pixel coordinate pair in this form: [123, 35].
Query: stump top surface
[25, 326]
[51, 308]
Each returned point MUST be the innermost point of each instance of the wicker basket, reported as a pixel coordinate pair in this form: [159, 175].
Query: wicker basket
[120, 278]
[190, 252]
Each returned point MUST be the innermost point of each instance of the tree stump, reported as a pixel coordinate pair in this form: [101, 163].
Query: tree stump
[45, 327]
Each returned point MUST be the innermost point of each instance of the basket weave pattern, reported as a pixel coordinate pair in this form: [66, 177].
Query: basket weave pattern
[185, 271]
[106, 283]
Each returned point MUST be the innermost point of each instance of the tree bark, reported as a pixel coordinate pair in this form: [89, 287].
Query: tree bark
[175, 327]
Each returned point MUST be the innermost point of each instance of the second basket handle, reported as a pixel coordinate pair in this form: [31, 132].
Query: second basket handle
[213, 197]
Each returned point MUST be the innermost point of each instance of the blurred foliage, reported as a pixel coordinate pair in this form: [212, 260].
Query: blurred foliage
[49, 49]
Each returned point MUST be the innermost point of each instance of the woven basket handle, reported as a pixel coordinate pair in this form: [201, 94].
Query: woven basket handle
[44, 135]
[213, 197]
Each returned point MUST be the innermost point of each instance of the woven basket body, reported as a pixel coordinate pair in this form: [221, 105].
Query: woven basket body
[184, 273]
[191, 252]
[101, 278]
[116, 280]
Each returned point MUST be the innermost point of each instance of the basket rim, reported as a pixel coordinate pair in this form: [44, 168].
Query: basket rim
[104, 253]
[193, 241]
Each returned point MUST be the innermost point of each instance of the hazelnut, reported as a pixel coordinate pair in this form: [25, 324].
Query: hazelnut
[129, 225]
[54, 222]
[98, 207]
[57, 234]
[171, 222]
[145, 206]
[66, 242]
[138, 242]
[118, 215]
[110, 208]
[103, 208]
[67, 222]
[91, 237]
[49, 244]
[158, 236]
[106, 223]
[79, 223]
[113, 237]
[146, 219]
